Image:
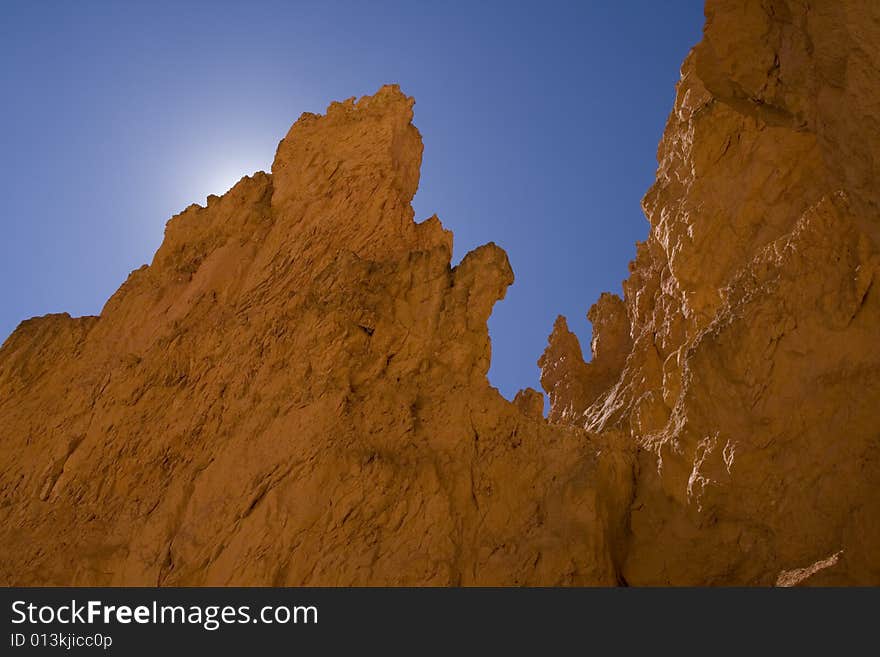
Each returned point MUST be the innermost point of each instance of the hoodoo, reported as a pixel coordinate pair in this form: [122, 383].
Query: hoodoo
[294, 391]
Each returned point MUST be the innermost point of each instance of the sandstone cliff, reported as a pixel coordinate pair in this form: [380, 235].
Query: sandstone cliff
[752, 385]
[294, 391]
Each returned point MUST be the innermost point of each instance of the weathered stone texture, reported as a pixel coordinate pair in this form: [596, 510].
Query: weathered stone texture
[294, 391]
[753, 384]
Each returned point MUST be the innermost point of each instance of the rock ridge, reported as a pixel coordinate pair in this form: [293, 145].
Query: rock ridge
[294, 392]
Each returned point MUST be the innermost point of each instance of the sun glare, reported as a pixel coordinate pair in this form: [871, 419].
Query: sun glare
[220, 177]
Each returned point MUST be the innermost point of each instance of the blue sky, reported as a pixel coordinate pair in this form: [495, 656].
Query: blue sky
[540, 121]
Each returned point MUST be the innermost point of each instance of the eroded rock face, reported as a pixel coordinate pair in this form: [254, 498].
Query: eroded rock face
[294, 391]
[753, 381]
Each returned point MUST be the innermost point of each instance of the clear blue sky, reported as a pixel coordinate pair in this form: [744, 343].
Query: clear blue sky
[540, 121]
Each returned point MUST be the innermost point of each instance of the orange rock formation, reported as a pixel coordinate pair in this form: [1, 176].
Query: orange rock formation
[294, 391]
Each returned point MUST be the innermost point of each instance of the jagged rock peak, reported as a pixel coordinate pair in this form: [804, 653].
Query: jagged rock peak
[294, 391]
[748, 377]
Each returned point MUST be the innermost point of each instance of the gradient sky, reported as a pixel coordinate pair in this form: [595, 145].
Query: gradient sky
[540, 122]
